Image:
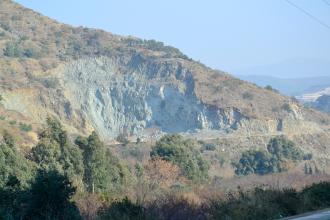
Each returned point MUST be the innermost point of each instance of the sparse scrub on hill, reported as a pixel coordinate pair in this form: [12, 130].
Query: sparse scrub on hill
[18, 49]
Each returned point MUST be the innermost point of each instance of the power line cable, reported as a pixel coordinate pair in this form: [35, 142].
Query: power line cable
[309, 14]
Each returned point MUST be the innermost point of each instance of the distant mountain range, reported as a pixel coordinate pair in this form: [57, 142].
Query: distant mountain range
[292, 68]
[292, 86]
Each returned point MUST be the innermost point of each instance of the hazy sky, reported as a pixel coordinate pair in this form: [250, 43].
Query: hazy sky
[231, 35]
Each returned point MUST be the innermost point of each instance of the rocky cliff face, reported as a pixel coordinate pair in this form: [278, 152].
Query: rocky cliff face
[116, 95]
[137, 98]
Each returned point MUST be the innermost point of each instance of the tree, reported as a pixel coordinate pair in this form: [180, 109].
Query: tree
[89, 205]
[49, 197]
[11, 198]
[13, 163]
[253, 161]
[280, 153]
[183, 153]
[155, 177]
[102, 171]
[280, 147]
[55, 152]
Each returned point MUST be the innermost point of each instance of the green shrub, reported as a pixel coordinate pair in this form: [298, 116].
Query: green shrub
[208, 147]
[12, 49]
[253, 161]
[123, 210]
[257, 204]
[282, 148]
[279, 151]
[247, 95]
[122, 138]
[25, 127]
[13, 122]
[270, 88]
[316, 196]
[286, 107]
[183, 153]
[51, 83]
[31, 53]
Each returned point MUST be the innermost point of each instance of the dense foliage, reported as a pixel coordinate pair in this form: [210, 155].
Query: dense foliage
[46, 184]
[102, 171]
[48, 197]
[13, 163]
[271, 203]
[55, 152]
[280, 152]
[184, 153]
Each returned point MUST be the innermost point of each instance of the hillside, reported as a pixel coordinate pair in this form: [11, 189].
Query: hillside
[94, 80]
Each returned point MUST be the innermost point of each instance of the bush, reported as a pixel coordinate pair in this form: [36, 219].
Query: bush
[51, 83]
[12, 49]
[25, 127]
[281, 148]
[13, 122]
[270, 88]
[247, 95]
[31, 53]
[123, 210]
[207, 146]
[256, 204]
[279, 151]
[316, 196]
[184, 153]
[286, 107]
[253, 161]
[122, 138]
